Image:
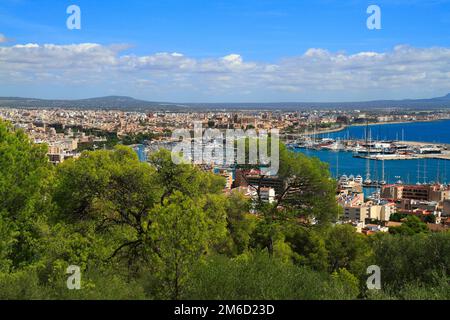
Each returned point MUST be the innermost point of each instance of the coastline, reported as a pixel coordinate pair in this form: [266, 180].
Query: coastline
[416, 143]
[344, 127]
[395, 122]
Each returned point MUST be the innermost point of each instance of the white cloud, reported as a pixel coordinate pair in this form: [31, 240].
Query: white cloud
[317, 74]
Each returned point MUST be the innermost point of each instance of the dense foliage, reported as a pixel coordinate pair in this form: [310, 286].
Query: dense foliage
[166, 231]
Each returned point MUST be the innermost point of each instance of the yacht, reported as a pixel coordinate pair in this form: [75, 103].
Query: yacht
[343, 178]
[359, 179]
[368, 181]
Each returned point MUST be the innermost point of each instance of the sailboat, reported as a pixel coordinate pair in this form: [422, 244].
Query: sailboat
[418, 173]
[368, 180]
[359, 179]
[337, 165]
[382, 182]
[425, 171]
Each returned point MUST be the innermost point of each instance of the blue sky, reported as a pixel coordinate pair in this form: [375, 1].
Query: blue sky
[207, 50]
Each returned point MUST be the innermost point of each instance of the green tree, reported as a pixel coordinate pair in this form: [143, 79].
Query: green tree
[240, 223]
[348, 281]
[347, 249]
[180, 231]
[308, 195]
[25, 175]
[107, 195]
[411, 226]
[417, 259]
[308, 246]
[259, 276]
[310, 191]
[186, 178]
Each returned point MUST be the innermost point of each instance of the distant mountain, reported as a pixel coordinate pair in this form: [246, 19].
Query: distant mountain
[444, 98]
[110, 102]
[433, 103]
[131, 104]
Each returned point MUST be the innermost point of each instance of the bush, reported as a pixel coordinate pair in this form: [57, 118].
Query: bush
[257, 276]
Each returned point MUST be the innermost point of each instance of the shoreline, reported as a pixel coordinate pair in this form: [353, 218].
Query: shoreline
[395, 122]
[445, 155]
[371, 124]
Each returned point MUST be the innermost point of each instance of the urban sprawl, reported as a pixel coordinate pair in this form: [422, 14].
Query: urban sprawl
[68, 132]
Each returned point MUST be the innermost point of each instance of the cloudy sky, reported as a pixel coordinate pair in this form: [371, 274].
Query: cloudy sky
[225, 51]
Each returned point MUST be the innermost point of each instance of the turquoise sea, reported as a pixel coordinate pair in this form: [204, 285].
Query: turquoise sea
[409, 171]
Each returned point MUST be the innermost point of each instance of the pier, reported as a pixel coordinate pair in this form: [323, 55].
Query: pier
[377, 150]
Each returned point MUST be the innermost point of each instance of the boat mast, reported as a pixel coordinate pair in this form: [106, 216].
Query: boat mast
[445, 173]
[437, 173]
[368, 153]
[314, 132]
[425, 172]
[418, 171]
[337, 165]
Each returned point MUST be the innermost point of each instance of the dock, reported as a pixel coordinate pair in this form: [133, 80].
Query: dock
[398, 150]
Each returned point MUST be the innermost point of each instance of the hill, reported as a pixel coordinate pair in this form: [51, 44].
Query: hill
[131, 104]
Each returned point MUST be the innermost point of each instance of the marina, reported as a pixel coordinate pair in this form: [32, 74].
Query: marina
[389, 160]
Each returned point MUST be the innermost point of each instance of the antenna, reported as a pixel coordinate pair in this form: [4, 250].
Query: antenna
[445, 172]
[375, 168]
[425, 171]
[337, 165]
[314, 132]
[418, 171]
[368, 180]
[437, 173]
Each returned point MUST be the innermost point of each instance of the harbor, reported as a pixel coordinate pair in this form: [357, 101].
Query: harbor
[367, 147]
[378, 150]
[392, 153]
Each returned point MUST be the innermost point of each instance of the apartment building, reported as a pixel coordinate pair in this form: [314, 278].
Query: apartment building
[360, 213]
[436, 192]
